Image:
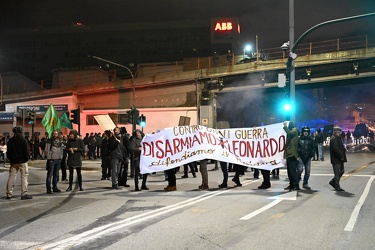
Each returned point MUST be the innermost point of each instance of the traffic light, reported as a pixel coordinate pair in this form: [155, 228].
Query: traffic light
[129, 114]
[136, 116]
[142, 121]
[32, 118]
[286, 106]
[75, 116]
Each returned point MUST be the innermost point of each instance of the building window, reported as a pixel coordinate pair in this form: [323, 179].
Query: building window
[90, 120]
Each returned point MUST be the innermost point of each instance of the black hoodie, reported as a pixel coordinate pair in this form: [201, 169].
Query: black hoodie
[18, 149]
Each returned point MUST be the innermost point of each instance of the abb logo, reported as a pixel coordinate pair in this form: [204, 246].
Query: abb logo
[224, 26]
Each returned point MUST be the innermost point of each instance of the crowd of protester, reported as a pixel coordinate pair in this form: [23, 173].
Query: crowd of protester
[120, 152]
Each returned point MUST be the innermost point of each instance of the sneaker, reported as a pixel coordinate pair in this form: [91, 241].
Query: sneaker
[339, 189]
[223, 185]
[145, 188]
[49, 191]
[56, 190]
[305, 186]
[170, 188]
[26, 197]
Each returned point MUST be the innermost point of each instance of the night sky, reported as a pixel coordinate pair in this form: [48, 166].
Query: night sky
[266, 18]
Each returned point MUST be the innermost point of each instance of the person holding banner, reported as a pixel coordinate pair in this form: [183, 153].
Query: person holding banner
[239, 170]
[204, 173]
[171, 173]
[136, 147]
[266, 179]
[224, 169]
[117, 155]
[291, 156]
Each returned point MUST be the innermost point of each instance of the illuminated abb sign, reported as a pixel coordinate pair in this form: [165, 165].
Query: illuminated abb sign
[224, 29]
[223, 26]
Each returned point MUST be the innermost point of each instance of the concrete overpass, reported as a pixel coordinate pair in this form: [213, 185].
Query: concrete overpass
[181, 85]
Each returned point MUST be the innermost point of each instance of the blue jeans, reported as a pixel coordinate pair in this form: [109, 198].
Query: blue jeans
[307, 167]
[320, 151]
[53, 167]
[115, 169]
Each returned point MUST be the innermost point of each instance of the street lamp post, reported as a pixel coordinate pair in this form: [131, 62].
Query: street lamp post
[290, 77]
[122, 66]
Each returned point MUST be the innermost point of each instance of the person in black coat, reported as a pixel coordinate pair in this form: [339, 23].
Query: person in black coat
[338, 157]
[105, 154]
[18, 154]
[75, 149]
[305, 153]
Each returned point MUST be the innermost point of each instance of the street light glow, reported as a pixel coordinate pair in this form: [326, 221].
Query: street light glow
[246, 48]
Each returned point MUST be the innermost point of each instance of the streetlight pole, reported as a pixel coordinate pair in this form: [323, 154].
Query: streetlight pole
[290, 74]
[122, 66]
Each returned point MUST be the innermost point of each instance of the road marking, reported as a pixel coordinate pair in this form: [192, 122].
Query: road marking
[353, 218]
[115, 226]
[356, 170]
[277, 200]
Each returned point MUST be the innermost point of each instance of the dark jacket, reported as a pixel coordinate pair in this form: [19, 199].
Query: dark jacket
[291, 142]
[104, 148]
[305, 148]
[135, 144]
[117, 148]
[18, 149]
[337, 150]
[75, 159]
[319, 138]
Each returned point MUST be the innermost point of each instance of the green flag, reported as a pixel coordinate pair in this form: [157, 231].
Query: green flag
[65, 121]
[51, 120]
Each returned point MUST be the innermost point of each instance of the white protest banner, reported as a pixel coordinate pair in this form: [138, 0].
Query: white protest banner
[257, 147]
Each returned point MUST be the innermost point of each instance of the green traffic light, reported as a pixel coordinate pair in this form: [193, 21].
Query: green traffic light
[287, 107]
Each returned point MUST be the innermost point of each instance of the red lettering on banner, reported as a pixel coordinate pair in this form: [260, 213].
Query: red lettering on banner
[160, 152]
[168, 148]
[176, 145]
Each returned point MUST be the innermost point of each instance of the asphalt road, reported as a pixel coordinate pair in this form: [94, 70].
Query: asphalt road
[233, 218]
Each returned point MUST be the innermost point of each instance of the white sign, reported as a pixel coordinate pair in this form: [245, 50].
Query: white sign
[257, 147]
[105, 122]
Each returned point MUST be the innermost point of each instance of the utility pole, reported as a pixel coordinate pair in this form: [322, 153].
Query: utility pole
[290, 74]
